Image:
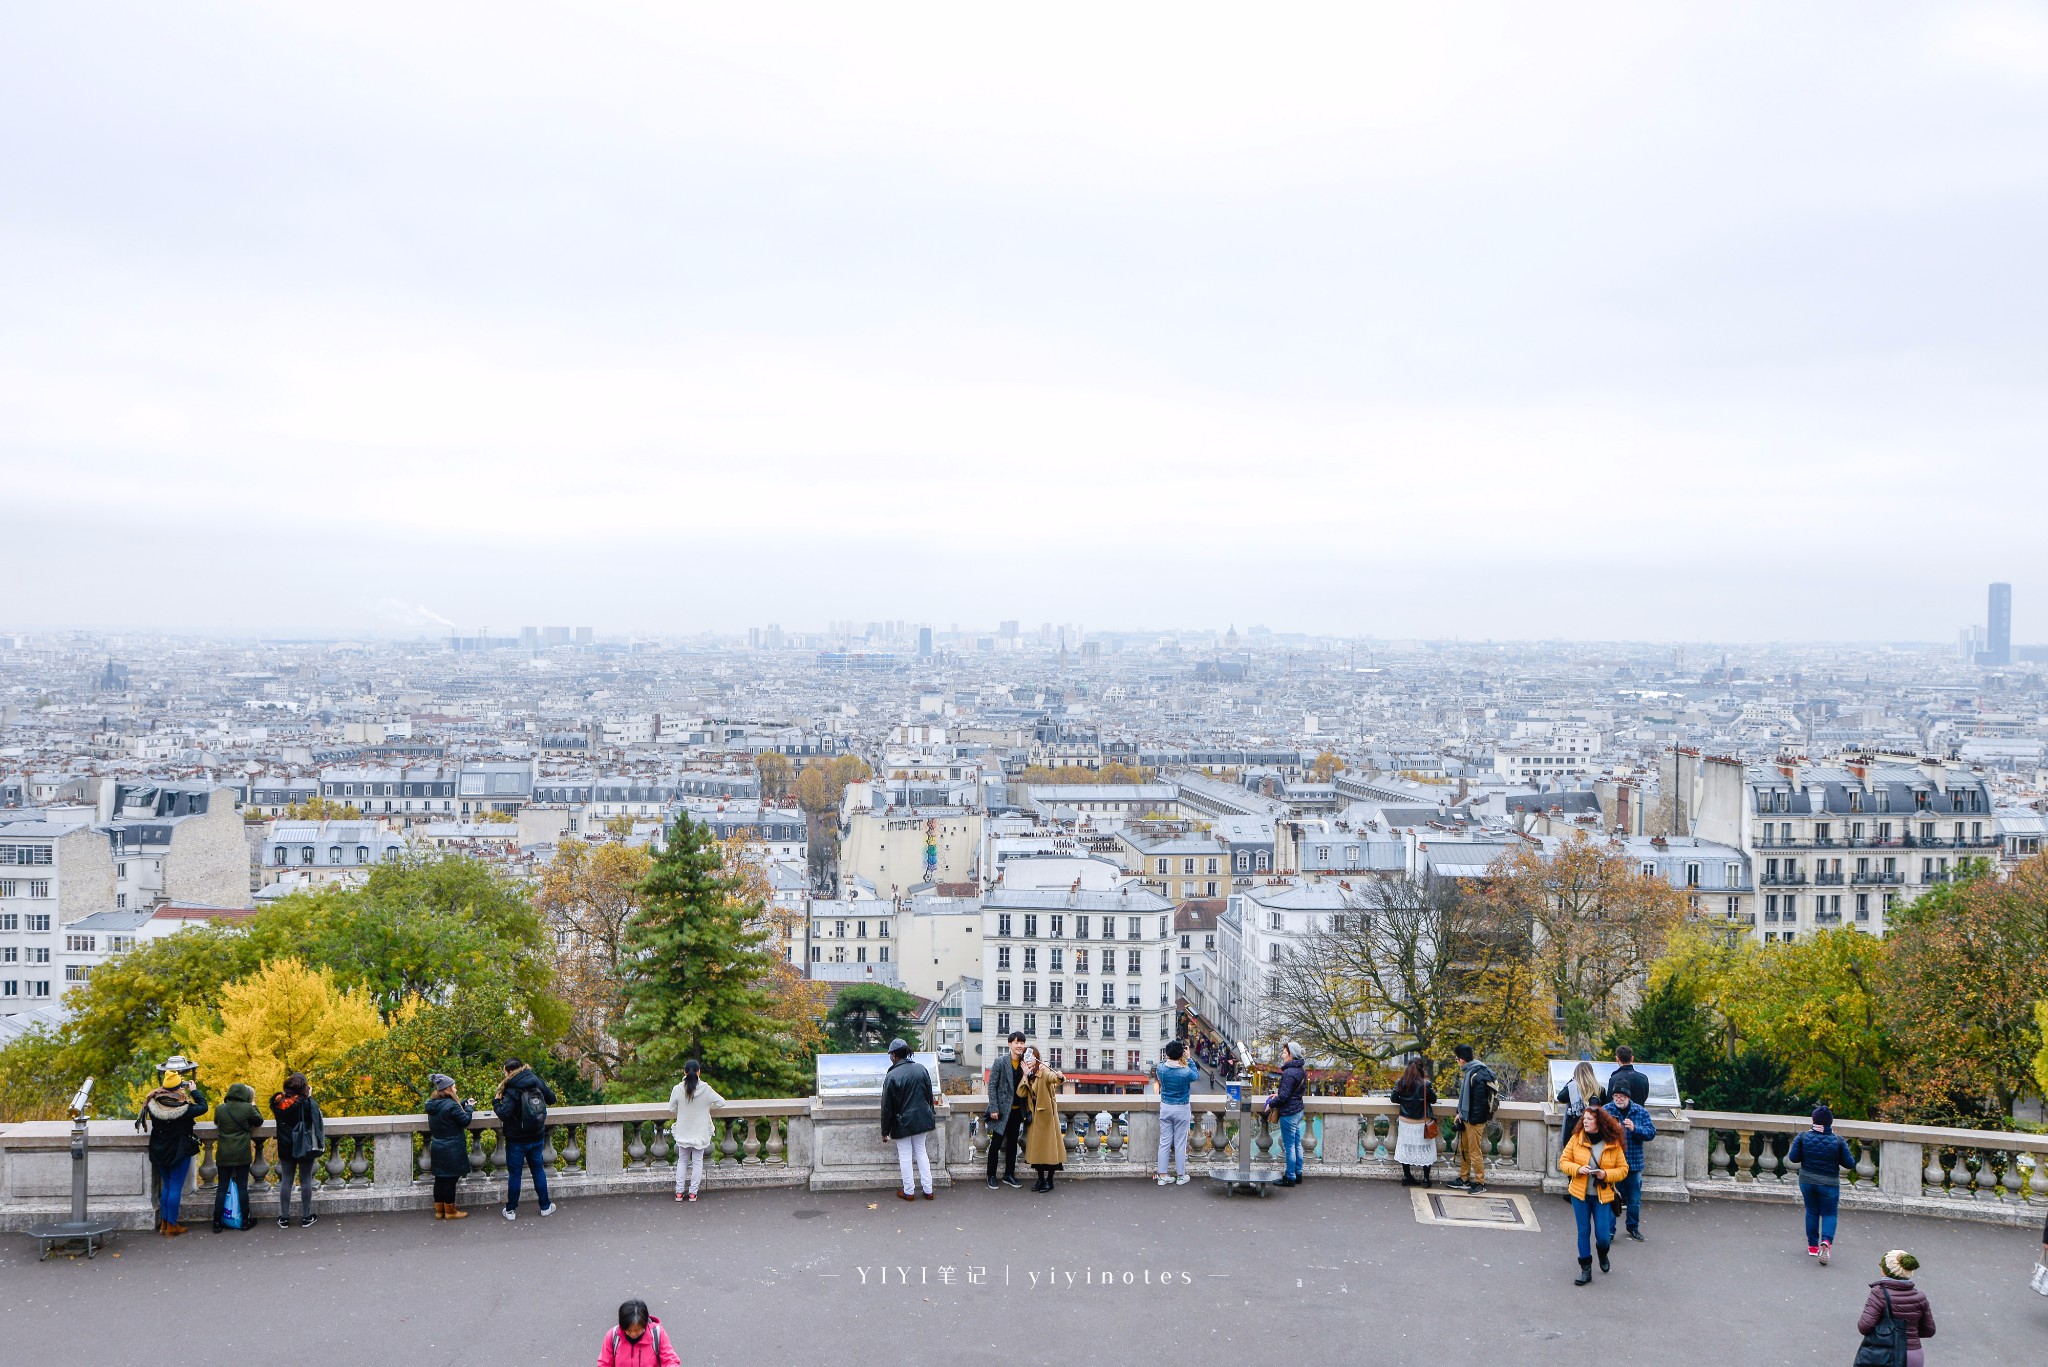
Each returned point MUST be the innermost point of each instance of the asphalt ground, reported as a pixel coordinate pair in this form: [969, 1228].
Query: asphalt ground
[1102, 1271]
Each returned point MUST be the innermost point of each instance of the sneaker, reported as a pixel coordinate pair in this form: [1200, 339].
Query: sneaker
[693, 1196]
[1013, 1182]
[1162, 1180]
[306, 1221]
[1813, 1250]
[993, 1184]
[1181, 1180]
[510, 1214]
[1825, 1250]
[284, 1222]
[1459, 1184]
[547, 1210]
[1636, 1236]
[1475, 1189]
[681, 1197]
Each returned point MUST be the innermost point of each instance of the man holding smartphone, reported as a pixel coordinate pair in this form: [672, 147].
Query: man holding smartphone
[1004, 1120]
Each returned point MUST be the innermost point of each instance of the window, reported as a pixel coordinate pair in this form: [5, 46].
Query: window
[1030, 1026]
[1159, 866]
[1134, 961]
[860, 955]
[1820, 833]
[1002, 989]
[39, 989]
[1692, 875]
[1030, 958]
[80, 944]
[1187, 866]
[1081, 929]
[1055, 1053]
[36, 922]
[1080, 961]
[1649, 869]
[1731, 876]
[1081, 1055]
[1734, 906]
[882, 930]
[1273, 954]
[1133, 928]
[1058, 929]
[10, 987]
[1003, 923]
[1002, 1023]
[39, 887]
[1057, 959]
[1081, 994]
[9, 921]
[1056, 994]
[1003, 958]
[77, 973]
[1030, 925]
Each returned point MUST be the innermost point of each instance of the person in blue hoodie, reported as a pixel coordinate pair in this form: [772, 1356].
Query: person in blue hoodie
[1636, 1126]
[1821, 1156]
[1176, 1084]
[1286, 1104]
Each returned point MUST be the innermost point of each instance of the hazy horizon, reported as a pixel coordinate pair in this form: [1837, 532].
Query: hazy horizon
[1606, 322]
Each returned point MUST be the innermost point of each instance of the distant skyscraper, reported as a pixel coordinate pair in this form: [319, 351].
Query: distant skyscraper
[585, 636]
[1998, 627]
[924, 643]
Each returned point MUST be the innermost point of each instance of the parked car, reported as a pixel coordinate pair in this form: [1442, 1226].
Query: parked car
[948, 1054]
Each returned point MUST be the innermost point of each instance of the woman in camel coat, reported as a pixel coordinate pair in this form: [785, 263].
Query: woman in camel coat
[1044, 1147]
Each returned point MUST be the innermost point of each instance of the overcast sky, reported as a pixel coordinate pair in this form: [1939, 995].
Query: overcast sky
[1670, 322]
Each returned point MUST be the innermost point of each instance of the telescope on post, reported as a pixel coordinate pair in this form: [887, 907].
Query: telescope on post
[80, 1228]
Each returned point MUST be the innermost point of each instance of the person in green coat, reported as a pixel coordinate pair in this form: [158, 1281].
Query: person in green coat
[235, 1121]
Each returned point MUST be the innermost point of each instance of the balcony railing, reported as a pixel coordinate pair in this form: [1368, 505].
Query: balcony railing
[1828, 879]
[378, 1163]
[1789, 880]
[1876, 876]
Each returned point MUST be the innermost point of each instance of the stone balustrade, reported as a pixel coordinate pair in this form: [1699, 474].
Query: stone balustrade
[378, 1163]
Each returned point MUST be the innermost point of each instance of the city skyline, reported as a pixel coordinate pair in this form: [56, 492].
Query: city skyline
[1595, 324]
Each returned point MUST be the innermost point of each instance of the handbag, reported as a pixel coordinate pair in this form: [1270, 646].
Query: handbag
[2040, 1278]
[1885, 1344]
[231, 1208]
[1431, 1129]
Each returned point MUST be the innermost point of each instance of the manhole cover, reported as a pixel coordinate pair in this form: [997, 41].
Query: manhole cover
[809, 1214]
[1483, 1212]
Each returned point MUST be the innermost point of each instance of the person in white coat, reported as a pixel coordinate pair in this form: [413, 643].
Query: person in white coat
[691, 1101]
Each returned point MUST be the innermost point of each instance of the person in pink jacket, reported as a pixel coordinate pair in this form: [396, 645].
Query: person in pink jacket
[639, 1341]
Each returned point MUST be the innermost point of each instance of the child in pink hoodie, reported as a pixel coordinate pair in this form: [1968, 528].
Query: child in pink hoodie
[638, 1341]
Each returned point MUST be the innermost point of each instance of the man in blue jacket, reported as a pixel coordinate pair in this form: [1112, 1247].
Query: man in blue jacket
[1286, 1105]
[1637, 1126]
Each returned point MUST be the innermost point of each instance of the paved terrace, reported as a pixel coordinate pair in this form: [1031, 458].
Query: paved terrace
[1335, 1271]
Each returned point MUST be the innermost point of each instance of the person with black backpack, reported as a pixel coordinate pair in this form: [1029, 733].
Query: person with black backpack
[638, 1341]
[1478, 1099]
[1895, 1311]
[522, 1105]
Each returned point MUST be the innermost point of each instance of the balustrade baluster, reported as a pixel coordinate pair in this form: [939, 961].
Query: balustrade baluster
[2003, 1180]
[209, 1172]
[1746, 1156]
[636, 1144]
[775, 1153]
[750, 1142]
[359, 1165]
[1933, 1179]
[728, 1143]
[1866, 1163]
[1507, 1153]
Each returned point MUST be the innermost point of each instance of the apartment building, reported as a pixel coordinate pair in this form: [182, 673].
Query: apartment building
[52, 872]
[1086, 975]
[1180, 864]
[327, 851]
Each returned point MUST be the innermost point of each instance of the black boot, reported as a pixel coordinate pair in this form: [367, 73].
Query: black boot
[1426, 1181]
[1407, 1176]
[1601, 1249]
[1585, 1272]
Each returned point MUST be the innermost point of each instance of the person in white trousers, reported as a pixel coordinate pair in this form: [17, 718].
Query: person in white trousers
[907, 1117]
[691, 1103]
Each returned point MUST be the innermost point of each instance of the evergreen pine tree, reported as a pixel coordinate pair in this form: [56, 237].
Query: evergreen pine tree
[696, 978]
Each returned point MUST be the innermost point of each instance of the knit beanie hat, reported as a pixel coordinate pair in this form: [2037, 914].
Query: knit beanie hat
[1898, 1265]
[1824, 1118]
[437, 1082]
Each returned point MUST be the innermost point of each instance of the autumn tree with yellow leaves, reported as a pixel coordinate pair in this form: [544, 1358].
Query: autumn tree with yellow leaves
[284, 1018]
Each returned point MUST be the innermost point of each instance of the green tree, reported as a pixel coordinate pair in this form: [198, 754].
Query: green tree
[123, 1016]
[468, 1037]
[284, 1018]
[1672, 1025]
[1813, 1005]
[696, 979]
[33, 1083]
[1968, 961]
[866, 1016]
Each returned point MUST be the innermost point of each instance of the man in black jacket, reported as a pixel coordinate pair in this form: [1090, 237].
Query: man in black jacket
[1626, 1077]
[522, 1107]
[1004, 1122]
[907, 1117]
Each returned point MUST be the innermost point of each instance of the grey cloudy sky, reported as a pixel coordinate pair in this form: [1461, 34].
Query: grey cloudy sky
[1678, 322]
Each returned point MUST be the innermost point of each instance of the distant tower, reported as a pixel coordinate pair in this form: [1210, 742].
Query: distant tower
[1998, 627]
